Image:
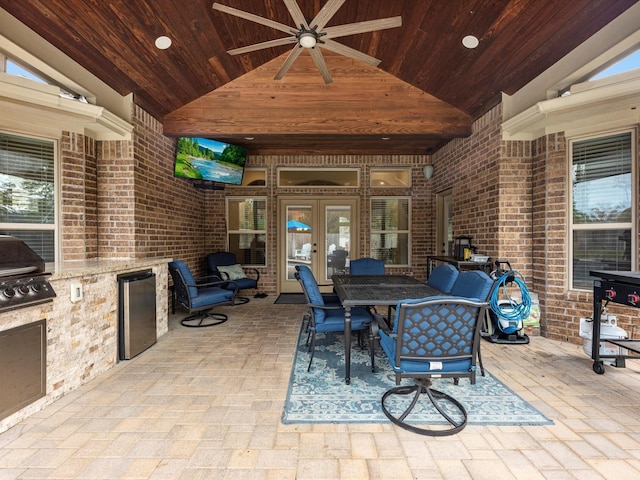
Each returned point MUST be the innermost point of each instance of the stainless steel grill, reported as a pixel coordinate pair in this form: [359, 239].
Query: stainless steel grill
[23, 280]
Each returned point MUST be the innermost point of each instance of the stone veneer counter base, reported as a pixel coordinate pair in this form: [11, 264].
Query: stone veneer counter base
[82, 335]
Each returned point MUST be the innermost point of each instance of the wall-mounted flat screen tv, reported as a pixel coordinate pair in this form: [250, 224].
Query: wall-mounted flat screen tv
[209, 160]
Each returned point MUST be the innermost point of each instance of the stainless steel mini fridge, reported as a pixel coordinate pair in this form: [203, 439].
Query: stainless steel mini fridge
[137, 313]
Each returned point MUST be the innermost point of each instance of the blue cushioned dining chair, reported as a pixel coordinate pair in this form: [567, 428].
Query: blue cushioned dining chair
[326, 318]
[200, 297]
[472, 284]
[432, 337]
[477, 285]
[443, 277]
[366, 266]
[225, 266]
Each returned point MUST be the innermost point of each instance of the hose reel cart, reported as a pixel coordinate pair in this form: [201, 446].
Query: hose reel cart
[504, 321]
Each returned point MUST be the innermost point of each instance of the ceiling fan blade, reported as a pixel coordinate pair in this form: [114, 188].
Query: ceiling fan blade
[253, 18]
[288, 62]
[361, 27]
[350, 52]
[325, 14]
[260, 46]
[316, 54]
[296, 13]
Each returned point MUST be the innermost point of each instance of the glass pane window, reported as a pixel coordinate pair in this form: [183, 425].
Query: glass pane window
[602, 199]
[599, 250]
[602, 180]
[27, 192]
[247, 230]
[390, 224]
[318, 177]
[385, 177]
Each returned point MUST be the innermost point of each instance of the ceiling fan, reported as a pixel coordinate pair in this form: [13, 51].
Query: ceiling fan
[312, 35]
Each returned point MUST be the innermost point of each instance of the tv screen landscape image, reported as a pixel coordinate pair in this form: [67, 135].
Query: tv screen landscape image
[205, 159]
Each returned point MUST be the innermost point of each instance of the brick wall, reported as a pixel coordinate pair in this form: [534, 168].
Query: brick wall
[471, 168]
[169, 212]
[115, 197]
[79, 212]
[119, 199]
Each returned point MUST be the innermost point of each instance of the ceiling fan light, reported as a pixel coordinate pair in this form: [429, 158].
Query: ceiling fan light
[307, 40]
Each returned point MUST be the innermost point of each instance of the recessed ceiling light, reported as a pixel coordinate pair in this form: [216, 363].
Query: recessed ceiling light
[386, 138]
[470, 41]
[163, 42]
[249, 138]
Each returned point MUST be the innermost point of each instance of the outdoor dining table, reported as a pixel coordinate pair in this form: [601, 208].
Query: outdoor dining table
[371, 290]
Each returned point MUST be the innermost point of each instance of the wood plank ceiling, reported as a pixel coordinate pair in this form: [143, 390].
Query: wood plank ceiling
[427, 89]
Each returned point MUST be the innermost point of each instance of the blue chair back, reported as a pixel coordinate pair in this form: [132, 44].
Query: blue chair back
[443, 277]
[473, 284]
[366, 266]
[214, 260]
[436, 336]
[178, 269]
[311, 291]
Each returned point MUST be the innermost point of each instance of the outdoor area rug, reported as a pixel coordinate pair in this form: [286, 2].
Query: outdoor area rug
[322, 396]
[291, 299]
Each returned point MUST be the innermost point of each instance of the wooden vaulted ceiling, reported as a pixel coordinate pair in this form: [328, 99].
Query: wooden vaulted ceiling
[427, 89]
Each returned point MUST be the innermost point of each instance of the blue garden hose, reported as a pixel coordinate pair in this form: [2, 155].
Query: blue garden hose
[507, 308]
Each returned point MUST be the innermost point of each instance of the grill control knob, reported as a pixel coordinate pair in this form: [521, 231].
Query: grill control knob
[36, 287]
[633, 298]
[9, 292]
[23, 289]
[611, 293]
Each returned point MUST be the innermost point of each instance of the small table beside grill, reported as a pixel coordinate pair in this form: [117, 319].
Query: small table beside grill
[618, 287]
[364, 290]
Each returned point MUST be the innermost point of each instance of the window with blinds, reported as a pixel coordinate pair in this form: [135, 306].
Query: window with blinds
[390, 226]
[247, 229]
[602, 204]
[27, 192]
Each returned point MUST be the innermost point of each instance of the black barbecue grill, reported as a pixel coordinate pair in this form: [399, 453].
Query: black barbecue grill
[23, 280]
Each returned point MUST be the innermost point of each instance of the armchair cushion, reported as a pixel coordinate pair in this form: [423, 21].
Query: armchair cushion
[211, 295]
[233, 272]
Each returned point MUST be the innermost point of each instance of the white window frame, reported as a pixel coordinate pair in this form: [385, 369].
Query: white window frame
[42, 227]
[632, 225]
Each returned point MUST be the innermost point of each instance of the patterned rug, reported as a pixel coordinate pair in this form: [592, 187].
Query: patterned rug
[322, 396]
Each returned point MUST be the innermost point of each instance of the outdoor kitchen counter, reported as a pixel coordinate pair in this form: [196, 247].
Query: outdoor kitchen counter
[81, 268]
[82, 330]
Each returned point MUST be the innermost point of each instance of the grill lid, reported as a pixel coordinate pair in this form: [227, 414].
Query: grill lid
[23, 281]
[17, 258]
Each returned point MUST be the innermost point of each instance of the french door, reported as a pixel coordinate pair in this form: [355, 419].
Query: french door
[318, 232]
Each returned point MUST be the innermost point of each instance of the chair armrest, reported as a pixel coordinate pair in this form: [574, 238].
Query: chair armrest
[324, 307]
[213, 281]
[379, 323]
[253, 271]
